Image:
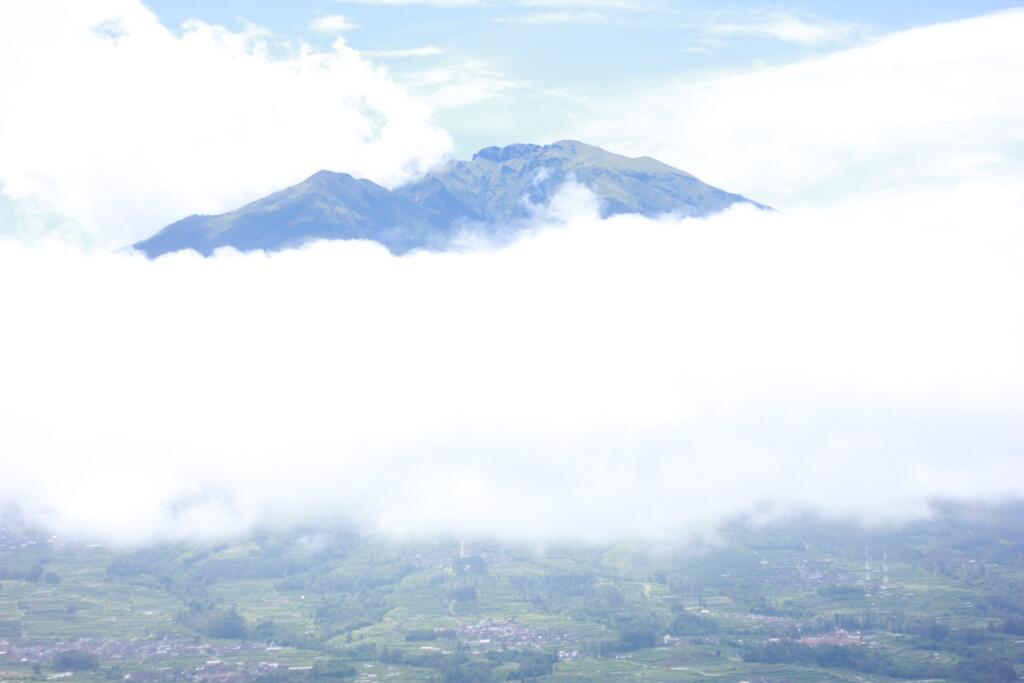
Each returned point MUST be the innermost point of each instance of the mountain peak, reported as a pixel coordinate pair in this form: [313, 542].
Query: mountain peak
[572, 146]
[499, 154]
[498, 186]
[522, 150]
[328, 176]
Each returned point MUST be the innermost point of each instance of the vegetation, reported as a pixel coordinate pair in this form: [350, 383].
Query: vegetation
[939, 600]
[225, 623]
[74, 660]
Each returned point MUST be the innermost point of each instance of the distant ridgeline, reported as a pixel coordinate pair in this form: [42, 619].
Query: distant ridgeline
[499, 186]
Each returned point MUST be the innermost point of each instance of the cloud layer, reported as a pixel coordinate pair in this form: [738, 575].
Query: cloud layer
[113, 125]
[857, 354]
[927, 107]
[596, 380]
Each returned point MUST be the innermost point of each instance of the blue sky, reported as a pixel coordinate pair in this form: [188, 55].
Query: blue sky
[536, 63]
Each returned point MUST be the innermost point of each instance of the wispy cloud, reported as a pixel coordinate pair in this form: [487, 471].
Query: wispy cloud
[541, 18]
[459, 85]
[554, 12]
[608, 4]
[434, 3]
[780, 25]
[334, 23]
[578, 4]
[425, 51]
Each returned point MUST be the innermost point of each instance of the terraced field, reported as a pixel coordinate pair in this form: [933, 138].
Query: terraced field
[799, 602]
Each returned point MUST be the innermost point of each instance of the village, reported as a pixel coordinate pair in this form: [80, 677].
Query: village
[145, 659]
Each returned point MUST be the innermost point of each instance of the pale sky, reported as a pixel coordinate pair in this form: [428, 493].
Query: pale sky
[526, 69]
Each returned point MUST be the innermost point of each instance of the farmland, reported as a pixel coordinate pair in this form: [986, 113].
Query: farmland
[797, 601]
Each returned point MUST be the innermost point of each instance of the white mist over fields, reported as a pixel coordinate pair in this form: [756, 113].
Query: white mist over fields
[858, 353]
[595, 380]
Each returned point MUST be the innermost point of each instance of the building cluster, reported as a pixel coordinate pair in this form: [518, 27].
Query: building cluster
[490, 634]
[838, 637]
[225, 662]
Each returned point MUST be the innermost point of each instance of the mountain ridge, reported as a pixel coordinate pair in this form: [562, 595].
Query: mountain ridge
[497, 186]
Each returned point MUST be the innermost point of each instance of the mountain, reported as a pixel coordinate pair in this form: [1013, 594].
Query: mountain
[499, 185]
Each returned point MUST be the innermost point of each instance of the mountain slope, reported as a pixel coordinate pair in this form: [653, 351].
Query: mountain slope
[498, 185]
[494, 184]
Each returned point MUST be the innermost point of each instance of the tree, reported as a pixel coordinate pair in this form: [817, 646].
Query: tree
[333, 669]
[264, 630]
[75, 660]
[225, 623]
[690, 624]
[637, 637]
[533, 665]
[464, 593]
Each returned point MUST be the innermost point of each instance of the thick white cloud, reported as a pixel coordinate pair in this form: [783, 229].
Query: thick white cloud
[924, 107]
[116, 125]
[597, 380]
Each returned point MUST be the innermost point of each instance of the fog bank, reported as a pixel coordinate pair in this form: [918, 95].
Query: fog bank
[596, 379]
